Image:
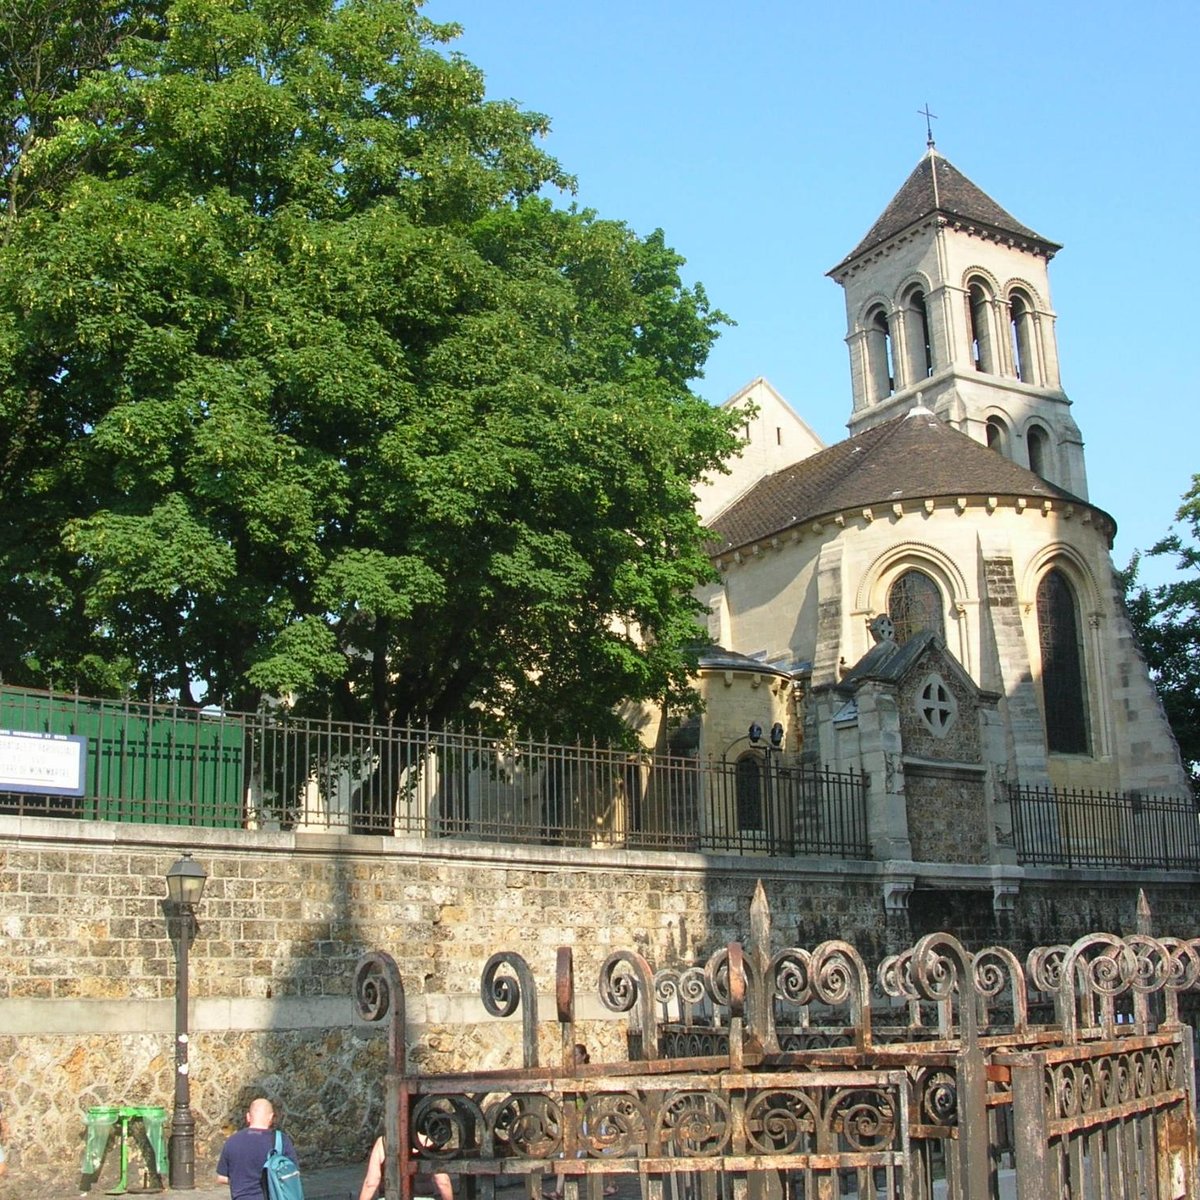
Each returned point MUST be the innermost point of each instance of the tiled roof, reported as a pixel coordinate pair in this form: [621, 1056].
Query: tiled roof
[912, 457]
[937, 186]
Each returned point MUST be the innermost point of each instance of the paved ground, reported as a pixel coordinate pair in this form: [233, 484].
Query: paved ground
[342, 1183]
[328, 1183]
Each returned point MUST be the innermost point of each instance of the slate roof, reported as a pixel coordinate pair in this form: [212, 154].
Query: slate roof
[717, 658]
[889, 662]
[936, 185]
[916, 456]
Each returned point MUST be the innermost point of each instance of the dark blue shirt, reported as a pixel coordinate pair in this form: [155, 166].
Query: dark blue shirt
[243, 1157]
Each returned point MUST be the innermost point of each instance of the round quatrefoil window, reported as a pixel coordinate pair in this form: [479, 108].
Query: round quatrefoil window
[936, 706]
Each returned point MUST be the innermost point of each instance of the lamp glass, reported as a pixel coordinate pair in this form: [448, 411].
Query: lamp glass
[185, 881]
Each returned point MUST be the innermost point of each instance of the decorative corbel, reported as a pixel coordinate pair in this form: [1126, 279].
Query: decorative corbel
[1004, 898]
[896, 894]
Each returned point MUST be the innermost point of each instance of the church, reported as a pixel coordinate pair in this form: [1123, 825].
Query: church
[931, 601]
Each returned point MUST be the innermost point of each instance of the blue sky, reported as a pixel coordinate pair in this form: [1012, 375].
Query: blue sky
[765, 137]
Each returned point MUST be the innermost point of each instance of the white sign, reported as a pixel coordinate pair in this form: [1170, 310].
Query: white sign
[47, 763]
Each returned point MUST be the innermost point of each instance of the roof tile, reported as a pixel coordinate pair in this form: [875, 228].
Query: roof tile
[936, 185]
[912, 457]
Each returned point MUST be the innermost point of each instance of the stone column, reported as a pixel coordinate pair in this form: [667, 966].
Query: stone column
[881, 748]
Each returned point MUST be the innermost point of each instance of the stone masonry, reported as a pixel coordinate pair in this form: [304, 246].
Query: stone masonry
[87, 968]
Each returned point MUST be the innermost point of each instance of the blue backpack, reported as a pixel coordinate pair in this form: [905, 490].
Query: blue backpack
[282, 1174]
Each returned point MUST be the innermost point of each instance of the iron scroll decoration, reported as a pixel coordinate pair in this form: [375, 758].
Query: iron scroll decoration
[685, 990]
[789, 973]
[626, 981]
[687, 1014]
[379, 995]
[1183, 973]
[939, 968]
[838, 977]
[564, 1000]
[1095, 970]
[502, 994]
[998, 970]
[730, 978]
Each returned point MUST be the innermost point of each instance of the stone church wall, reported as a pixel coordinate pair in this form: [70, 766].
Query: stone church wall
[946, 815]
[946, 793]
[87, 970]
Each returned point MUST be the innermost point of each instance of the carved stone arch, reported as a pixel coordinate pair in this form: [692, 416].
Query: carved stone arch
[876, 582]
[980, 298]
[915, 278]
[1070, 669]
[893, 561]
[1064, 556]
[872, 302]
[977, 270]
[875, 323]
[919, 355]
[1026, 352]
[1040, 447]
[1035, 419]
[1000, 432]
[1018, 283]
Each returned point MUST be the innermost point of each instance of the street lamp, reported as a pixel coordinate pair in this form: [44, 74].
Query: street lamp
[185, 887]
[774, 745]
[754, 809]
[754, 735]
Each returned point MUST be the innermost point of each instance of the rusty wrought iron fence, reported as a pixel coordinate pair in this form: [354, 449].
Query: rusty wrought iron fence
[1086, 828]
[769, 1073]
[169, 764]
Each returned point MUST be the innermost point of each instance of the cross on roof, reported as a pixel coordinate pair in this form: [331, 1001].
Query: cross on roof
[929, 116]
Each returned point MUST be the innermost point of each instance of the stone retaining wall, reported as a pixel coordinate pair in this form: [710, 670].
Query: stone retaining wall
[87, 971]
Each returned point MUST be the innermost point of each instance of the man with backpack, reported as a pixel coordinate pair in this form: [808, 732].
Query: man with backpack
[245, 1153]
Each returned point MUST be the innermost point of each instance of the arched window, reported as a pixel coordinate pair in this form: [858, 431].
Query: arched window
[979, 311]
[917, 343]
[915, 604]
[1062, 665]
[1020, 317]
[879, 355]
[997, 435]
[1038, 441]
[749, 793]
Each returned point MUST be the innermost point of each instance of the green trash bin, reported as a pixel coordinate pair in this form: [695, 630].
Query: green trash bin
[101, 1120]
[153, 1118]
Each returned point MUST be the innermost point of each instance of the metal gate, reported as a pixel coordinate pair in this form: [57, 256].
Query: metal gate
[772, 1075]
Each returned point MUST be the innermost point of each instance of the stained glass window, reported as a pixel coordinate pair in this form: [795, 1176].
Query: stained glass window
[1062, 665]
[914, 604]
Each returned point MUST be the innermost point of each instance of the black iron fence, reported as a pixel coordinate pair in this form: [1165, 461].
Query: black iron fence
[108, 760]
[1084, 828]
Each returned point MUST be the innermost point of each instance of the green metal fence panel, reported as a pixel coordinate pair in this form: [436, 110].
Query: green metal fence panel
[146, 765]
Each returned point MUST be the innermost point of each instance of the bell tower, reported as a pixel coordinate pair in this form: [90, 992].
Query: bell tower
[948, 296]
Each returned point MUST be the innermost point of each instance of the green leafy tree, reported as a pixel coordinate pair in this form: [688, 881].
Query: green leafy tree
[307, 390]
[1166, 622]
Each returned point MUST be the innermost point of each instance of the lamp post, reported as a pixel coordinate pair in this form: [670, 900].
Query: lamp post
[773, 747]
[185, 887]
[773, 744]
